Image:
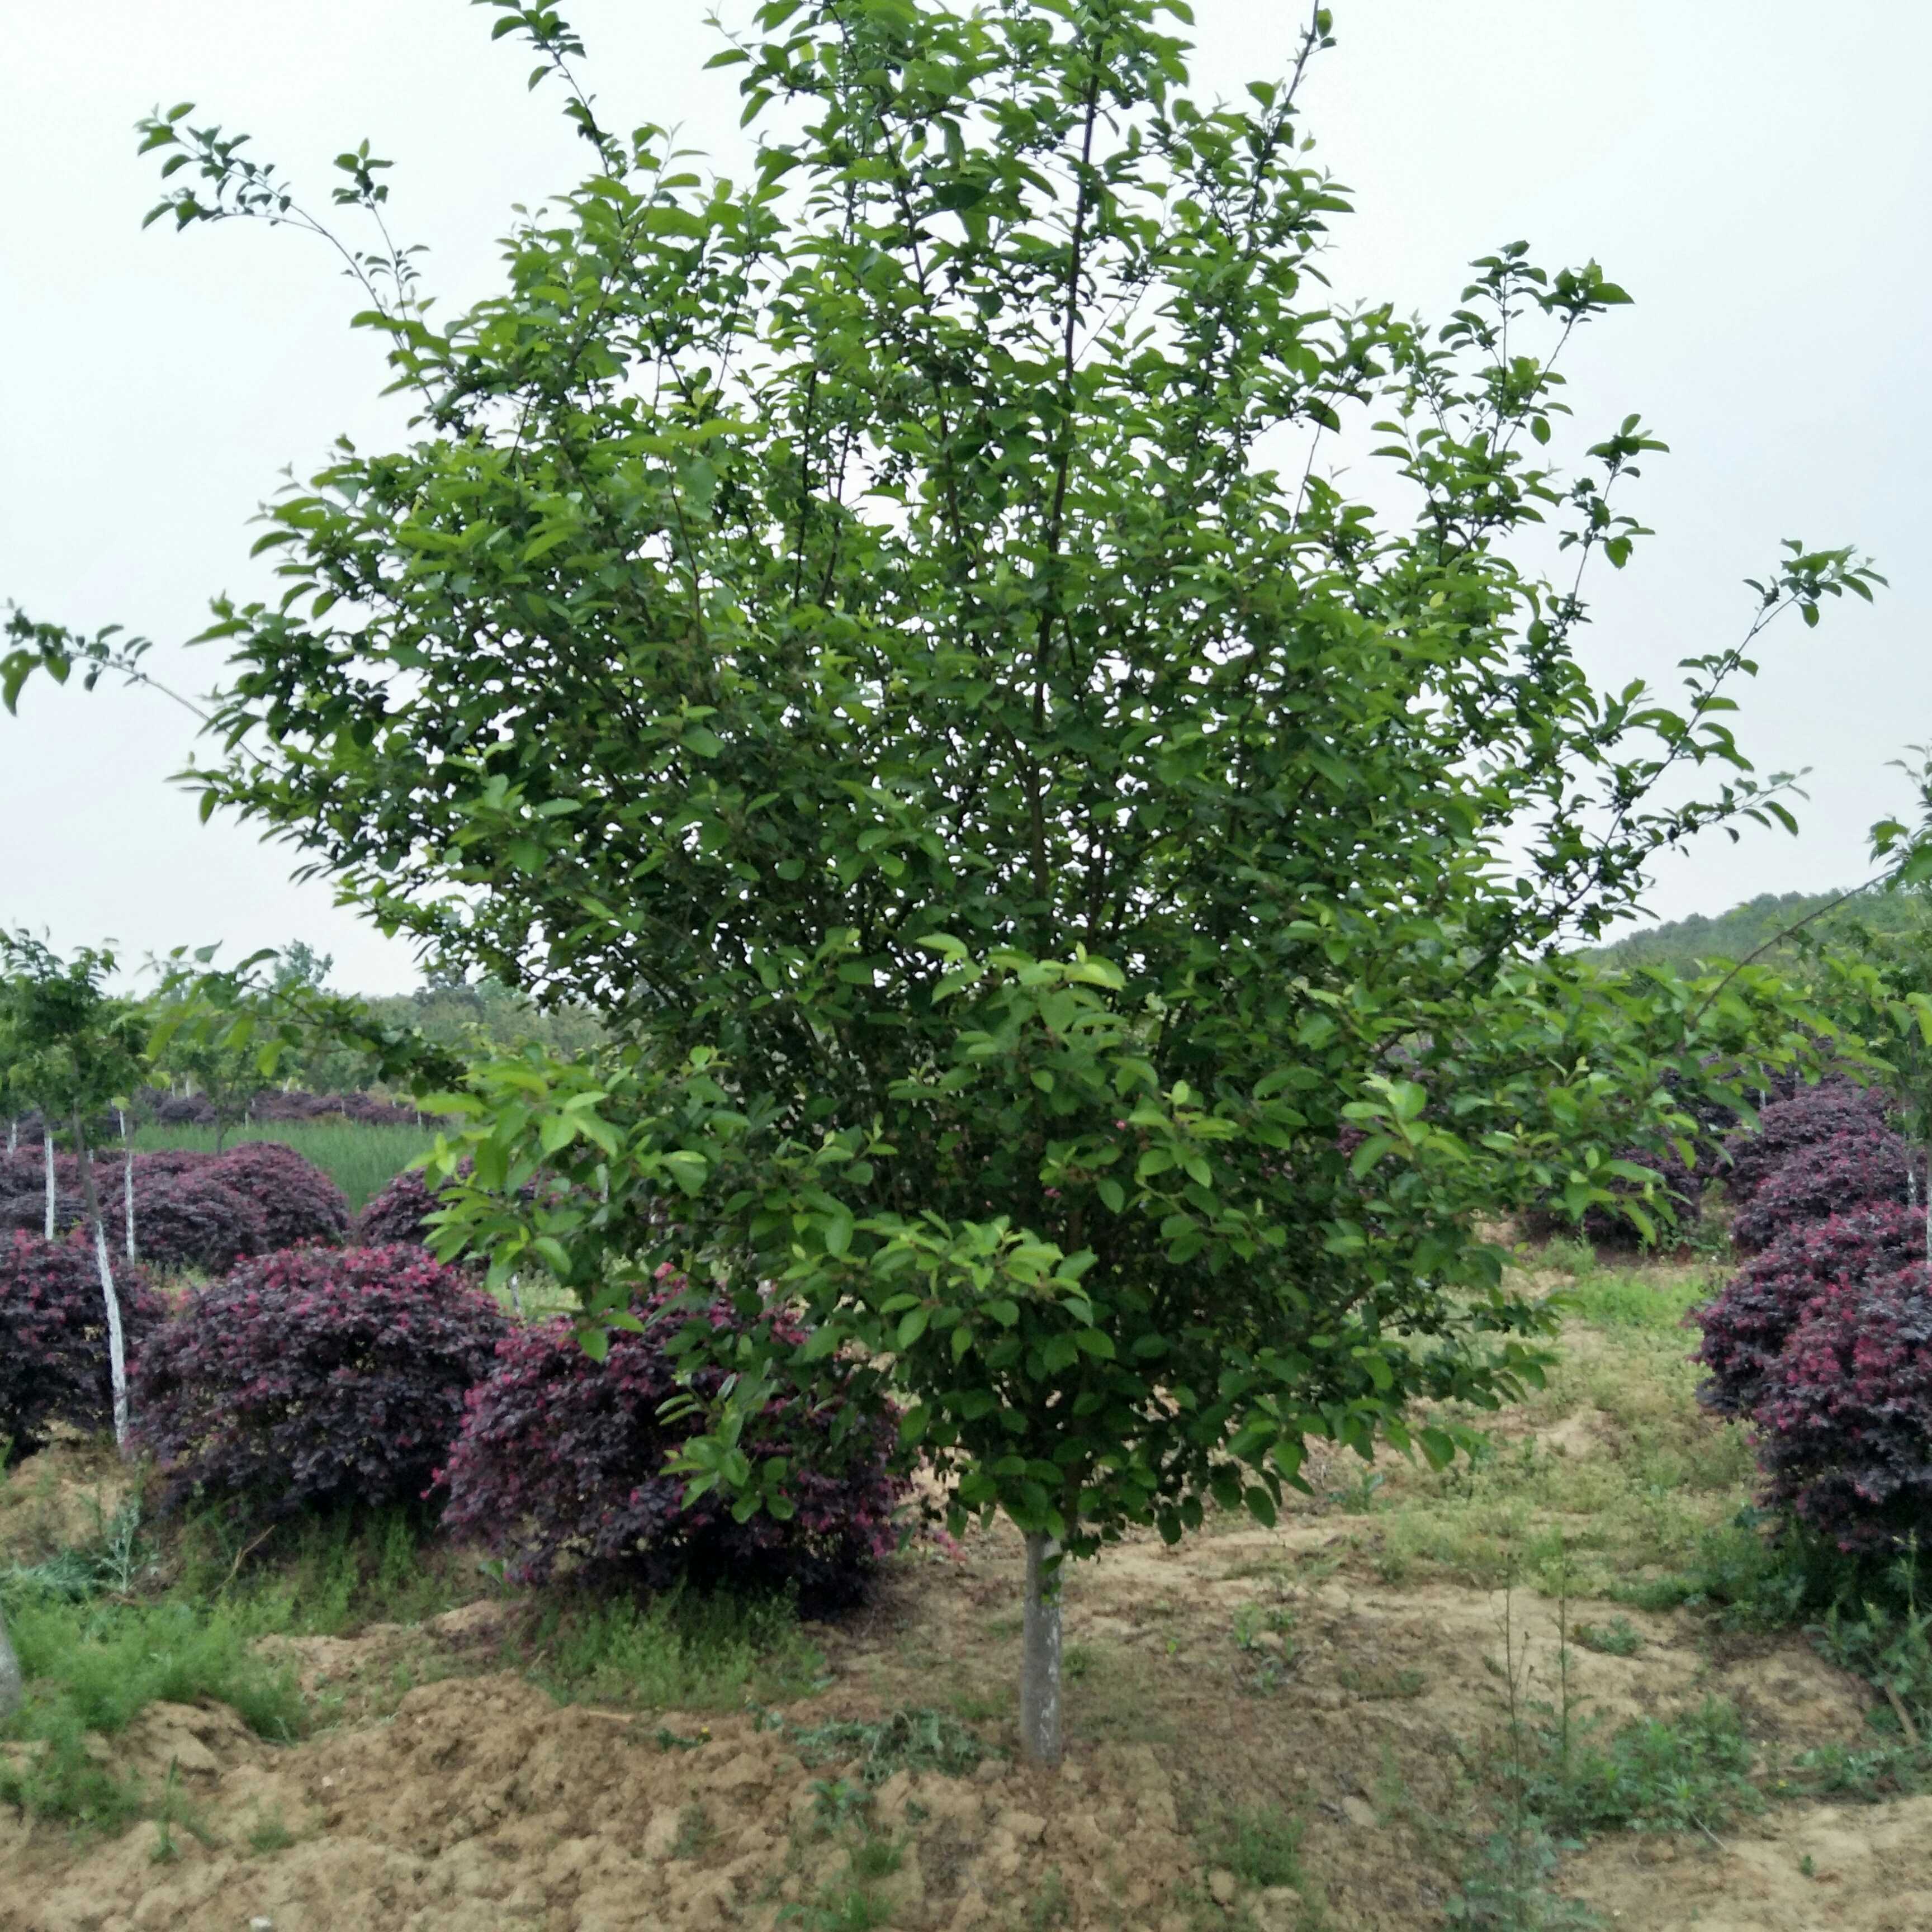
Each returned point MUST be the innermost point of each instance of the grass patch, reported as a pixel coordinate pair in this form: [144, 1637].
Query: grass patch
[1652, 1299]
[680, 1650]
[908, 1740]
[1608, 1477]
[93, 1667]
[325, 1575]
[1617, 1638]
[361, 1157]
[1260, 1845]
[1689, 1773]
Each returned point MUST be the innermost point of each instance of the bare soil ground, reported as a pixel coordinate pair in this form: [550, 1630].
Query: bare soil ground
[1323, 1671]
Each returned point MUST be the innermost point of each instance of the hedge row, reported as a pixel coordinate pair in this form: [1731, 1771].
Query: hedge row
[322, 1378]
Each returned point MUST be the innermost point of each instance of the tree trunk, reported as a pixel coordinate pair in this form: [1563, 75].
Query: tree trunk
[47, 1150]
[117, 1350]
[12, 1691]
[127, 1196]
[1040, 1655]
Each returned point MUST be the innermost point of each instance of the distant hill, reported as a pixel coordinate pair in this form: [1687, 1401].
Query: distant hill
[1734, 935]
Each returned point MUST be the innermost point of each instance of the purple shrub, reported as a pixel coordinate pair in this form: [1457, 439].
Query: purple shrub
[53, 1336]
[298, 1202]
[190, 1220]
[314, 1379]
[1746, 1327]
[399, 1211]
[1845, 1420]
[561, 1460]
[1812, 1115]
[1855, 1169]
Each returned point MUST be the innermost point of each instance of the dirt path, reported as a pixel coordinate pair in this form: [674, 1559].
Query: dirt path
[1245, 1675]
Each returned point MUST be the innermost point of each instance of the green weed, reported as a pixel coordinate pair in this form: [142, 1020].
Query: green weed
[1617, 1638]
[680, 1650]
[695, 1832]
[1260, 1845]
[269, 1833]
[92, 1666]
[1688, 1773]
[907, 1740]
[1051, 1905]
[1508, 1886]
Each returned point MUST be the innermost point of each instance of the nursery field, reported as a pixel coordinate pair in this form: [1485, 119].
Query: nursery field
[360, 1158]
[1560, 1682]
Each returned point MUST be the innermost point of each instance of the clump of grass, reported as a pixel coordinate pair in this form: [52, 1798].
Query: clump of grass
[1262, 1846]
[1508, 1886]
[1617, 1638]
[1691, 1772]
[1651, 1300]
[681, 1650]
[907, 1740]
[270, 1833]
[1378, 1685]
[93, 1667]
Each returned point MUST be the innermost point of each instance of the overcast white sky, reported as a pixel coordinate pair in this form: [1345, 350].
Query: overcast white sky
[1757, 172]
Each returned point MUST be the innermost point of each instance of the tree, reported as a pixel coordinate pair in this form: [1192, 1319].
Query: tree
[13, 1691]
[1074, 892]
[78, 1050]
[223, 1062]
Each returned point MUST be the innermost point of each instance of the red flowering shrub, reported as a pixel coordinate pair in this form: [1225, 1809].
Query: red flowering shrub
[1845, 1420]
[298, 1202]
[1851, 1170]
[561, 1459]
[25, 1211]
[170, 1161]
[315, 1377]
[1812, 1115]
[398, 1212]
[191, 1220]
[53, 1336]
[1746, 1326]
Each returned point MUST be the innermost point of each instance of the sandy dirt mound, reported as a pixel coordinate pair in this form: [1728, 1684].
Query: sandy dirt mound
[482, 1803]
[64, 1498]
[1860, 1868]
[1245, 1669]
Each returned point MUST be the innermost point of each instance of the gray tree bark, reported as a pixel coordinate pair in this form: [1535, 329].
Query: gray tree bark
[47, 1153]
[12, 1690]
[1040, 1736]
[117, 1347]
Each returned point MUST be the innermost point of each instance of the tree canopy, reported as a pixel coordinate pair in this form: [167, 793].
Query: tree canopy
[1077, 892]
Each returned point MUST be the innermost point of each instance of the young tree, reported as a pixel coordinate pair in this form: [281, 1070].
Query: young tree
[77, 1049]
[13, 1691]
[1075, 893]
[223, 1064]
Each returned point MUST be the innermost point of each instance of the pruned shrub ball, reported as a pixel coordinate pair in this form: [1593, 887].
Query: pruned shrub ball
[1860, 1168]
[1747, 1325]
[1810, 1116]
[314, 1379]
[561, 1463]
[298, 1202]
[1844, 1423]
[53, 1336]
